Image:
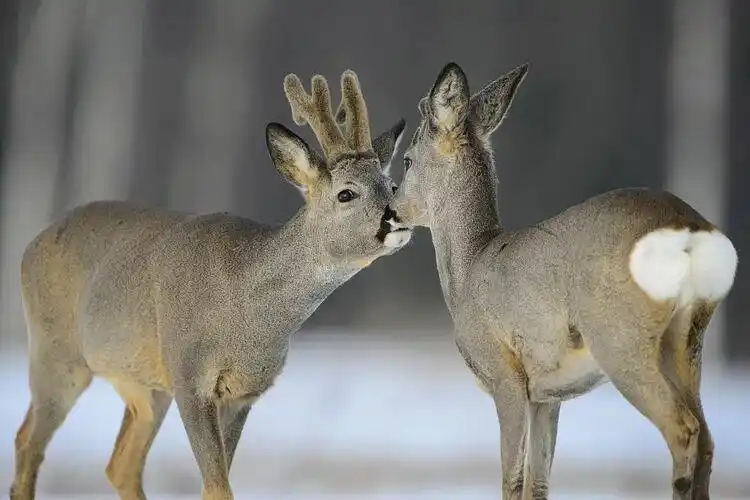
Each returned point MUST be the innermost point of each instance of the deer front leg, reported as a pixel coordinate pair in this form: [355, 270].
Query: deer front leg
[540, 449]
[511, 408]
[233, 419]
[511, 403]
[200, 416]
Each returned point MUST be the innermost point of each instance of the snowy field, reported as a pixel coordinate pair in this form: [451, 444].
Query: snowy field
[487, 493]
[376, 417]
[423, 495]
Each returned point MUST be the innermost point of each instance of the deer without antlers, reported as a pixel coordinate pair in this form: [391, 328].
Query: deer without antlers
[618, 288]
[199, 308]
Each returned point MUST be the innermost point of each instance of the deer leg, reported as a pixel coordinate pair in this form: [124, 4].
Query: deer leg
[232, 423]
[681, 353]
[144, 413]
[56, 384]
[631, 360]
[200, 416]
[511, 403]
[540, 449]
[512, 415]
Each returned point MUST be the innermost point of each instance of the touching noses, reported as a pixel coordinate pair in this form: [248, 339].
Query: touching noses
[391, 217]
[389, 223]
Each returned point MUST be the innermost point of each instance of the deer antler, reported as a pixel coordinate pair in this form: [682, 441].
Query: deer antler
[352, 113]
[315, 110]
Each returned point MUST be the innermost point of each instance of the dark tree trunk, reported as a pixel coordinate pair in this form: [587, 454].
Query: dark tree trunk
[737, 342]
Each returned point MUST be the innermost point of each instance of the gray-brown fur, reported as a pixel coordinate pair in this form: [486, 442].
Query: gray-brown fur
[551, 311]
[199, 308]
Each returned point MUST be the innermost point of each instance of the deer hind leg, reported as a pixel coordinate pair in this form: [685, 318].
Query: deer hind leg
[57, 379]
[540, 448]
[681, 357]
[632, 360]
[144, 413]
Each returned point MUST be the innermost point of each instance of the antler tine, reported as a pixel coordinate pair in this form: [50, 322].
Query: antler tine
[353, 113]
[298, 99]
[315, 110]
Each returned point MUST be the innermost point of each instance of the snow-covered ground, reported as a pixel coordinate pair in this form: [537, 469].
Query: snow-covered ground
[418, 495]
[475, 493]
[379, 417]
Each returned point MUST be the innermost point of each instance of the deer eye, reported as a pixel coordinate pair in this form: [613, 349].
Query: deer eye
[346, 195]
[394, 188]
[407, 162]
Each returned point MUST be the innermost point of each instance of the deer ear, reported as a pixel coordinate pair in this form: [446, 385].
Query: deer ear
[489, 106]
[293, 157]
[424, 107]
[386, 144]
[449, 98]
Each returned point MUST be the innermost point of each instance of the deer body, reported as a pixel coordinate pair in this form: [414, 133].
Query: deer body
[200, 294]
[534, 289]
[205, 284]
[617, 288]
[197, 308]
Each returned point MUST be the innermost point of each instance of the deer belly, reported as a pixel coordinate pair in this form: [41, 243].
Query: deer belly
[141, 366]
[576, 374]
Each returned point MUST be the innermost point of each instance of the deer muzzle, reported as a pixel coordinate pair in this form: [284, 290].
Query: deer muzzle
[392, 233]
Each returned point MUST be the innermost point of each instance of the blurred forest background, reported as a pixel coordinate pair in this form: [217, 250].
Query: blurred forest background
[165, 102]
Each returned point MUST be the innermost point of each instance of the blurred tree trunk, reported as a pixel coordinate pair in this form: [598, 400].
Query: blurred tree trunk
[35, 149]
[168, 32]
[104, 127]
[736, 346]
[217, 108]
[10, 13]
[696, 161]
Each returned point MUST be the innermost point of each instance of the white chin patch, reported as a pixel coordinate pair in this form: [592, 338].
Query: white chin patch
[397, 239]
[395, 225]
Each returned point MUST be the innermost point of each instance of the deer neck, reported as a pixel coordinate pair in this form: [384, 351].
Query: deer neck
[464, 221]
[295, 272]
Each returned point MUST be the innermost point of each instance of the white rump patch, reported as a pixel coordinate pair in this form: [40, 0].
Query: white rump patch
[678, 264]
[660, 264]
[714, 260]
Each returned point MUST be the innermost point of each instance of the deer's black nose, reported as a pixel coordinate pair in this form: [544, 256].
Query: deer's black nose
[386, 223]
[390, 215]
